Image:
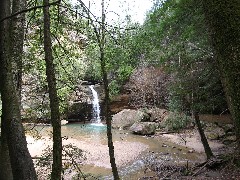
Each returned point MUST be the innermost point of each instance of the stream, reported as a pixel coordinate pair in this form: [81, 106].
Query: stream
[133, 153]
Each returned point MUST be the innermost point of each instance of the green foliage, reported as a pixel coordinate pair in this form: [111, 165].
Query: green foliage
[175, 36]
[124, 72]
[93, 71]
[177, 121]
[68, 43]
[114, 88]
[118, 53]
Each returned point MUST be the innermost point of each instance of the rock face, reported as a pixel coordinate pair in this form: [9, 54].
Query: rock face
[80, 103]
[79, 111]
[143, 128]
[127, 117]
[119, 103]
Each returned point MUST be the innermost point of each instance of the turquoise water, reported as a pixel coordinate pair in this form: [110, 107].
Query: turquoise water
[96, 134]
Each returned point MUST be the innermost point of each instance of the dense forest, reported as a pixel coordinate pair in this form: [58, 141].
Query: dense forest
[184, 58]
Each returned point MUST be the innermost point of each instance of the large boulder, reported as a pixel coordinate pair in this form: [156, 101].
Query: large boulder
[143, 128]
[127, 117]
[214, 132]
[158, 115]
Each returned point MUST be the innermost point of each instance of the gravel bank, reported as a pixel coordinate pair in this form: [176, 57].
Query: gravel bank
[96, 153]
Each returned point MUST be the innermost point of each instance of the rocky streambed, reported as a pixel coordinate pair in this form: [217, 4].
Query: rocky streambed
[139, 152]
[133, 153]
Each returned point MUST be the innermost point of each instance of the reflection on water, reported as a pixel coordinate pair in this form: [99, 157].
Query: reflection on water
[85, 132]
[78, 131]
[95, 134]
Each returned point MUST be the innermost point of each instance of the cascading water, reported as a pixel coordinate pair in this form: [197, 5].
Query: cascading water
[96, 108]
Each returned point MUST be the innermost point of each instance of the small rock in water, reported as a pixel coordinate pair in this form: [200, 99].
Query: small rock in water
[164, 145]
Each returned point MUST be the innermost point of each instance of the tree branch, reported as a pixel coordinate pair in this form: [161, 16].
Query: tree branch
[30, 9]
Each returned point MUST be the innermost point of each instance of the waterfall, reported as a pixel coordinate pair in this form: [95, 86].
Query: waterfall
[96, 108]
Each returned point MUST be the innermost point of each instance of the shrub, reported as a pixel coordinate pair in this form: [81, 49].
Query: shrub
[177, 121]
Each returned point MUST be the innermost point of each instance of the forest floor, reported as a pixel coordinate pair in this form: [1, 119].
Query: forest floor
[224, 165]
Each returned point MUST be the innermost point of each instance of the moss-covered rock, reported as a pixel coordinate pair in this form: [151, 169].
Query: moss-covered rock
[143, 128]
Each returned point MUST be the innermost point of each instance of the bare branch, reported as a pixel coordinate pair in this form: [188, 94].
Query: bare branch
[30, 9]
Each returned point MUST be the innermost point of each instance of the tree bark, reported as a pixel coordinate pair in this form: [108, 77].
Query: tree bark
[5, 164]
[107, 99]
[206, 146]
[21, 161]
[223, 19]
[54, 102]
[17, 25]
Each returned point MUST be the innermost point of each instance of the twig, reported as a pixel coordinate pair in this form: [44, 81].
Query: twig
[200, 169]
[168, 132]
[75, 164]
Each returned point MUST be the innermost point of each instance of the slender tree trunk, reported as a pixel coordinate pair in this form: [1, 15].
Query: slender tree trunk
[204, 140]
[54, 102]
[21, 161]
[109, 123]
[223, 19]
[101, 43]
[107, 99]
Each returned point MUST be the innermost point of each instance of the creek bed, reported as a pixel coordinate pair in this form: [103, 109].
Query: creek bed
[133, 153]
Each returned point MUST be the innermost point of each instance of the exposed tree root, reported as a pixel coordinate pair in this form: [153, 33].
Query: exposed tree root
[212, 163]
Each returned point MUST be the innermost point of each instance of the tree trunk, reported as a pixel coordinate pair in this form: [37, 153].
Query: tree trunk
[109, 122]
[17, 25]
[107, 99]
[21, 161]
[5, 164]
[206, 146]
[223, 19]
[54, 102]
[101, 43]
[16, 31]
